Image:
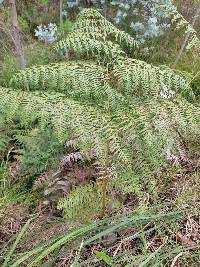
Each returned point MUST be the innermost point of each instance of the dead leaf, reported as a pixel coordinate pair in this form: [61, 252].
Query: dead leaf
[184, 241]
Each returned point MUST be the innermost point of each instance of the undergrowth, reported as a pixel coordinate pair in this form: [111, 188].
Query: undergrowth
[101, 133]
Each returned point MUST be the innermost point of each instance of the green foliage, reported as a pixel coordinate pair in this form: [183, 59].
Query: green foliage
[39, 150]
[142, 79]
[62, 114]
[181, 23]
[8, 68]
[19, 236]
[37, 53]
[93, 234]
[93, 36]
[140, 110]
[83, 203]
[65, 27]
[34, 54]
[71, 78]
[104, 257]
[5, 138]
[23, 24]
[196, 86]
[90, 20]
[99, 94]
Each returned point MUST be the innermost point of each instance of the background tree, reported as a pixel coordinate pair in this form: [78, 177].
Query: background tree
[61, 15]
[16, 34]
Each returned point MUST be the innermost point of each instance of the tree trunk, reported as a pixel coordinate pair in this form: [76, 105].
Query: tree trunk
[88, 3]
[61, 9]
[16, 35]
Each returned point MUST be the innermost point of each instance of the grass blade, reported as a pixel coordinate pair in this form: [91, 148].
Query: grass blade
[21, 233]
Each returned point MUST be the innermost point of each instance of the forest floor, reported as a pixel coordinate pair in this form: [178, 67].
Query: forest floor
[175, 239]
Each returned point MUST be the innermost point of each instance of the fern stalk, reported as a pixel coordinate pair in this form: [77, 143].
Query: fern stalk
[105, 181]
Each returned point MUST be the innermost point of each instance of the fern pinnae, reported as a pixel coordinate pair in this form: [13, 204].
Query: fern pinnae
[131, 72]
[90, 19]
[181, 23]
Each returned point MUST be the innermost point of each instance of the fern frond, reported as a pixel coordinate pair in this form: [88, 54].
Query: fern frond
[61, 76]
[138, 78]
[80, 80]
[71, 158]
[85, 80]
[62, 113]
[94, 36]
[84, 45]
[83, 202]
[181, 23]
[139, 134]
[89, 19]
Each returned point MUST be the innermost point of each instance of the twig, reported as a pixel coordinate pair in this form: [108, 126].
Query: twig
[128, 238]
[176, 258]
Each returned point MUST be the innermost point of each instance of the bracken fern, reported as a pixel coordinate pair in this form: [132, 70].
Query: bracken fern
[139, 110]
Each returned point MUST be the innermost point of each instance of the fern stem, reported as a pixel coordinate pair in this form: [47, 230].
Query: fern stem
[105, 181]
[195, 76]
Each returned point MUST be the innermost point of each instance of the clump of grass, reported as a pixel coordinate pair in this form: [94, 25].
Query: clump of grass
[156, 236]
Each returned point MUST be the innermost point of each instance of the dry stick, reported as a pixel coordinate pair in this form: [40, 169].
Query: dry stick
[105, 180]
[16, 35]
[176, 258]
[186, 39]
